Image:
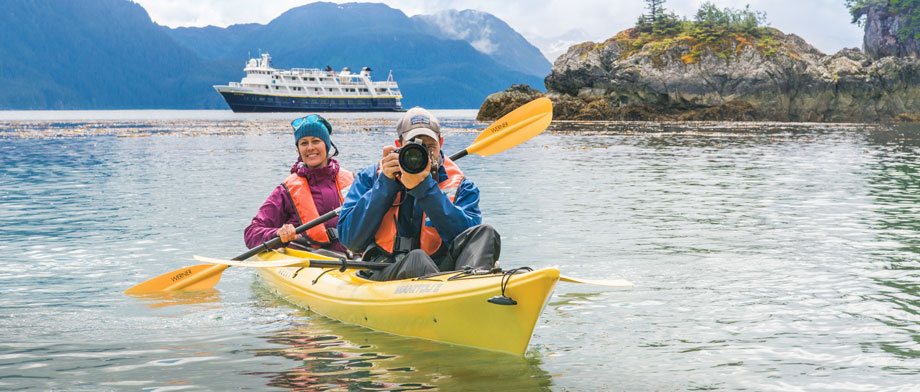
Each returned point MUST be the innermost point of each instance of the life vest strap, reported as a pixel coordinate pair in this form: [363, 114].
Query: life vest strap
[403, 245]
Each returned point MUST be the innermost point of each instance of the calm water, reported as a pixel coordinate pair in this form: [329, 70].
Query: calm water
[765, 257]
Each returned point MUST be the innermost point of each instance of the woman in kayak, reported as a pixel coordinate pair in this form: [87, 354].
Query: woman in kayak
[317, 185]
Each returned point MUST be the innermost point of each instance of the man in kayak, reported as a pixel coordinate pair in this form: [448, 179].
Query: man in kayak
[316, 186]
[422, 223]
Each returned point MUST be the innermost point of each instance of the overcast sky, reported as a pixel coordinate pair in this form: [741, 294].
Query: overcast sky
[824, 23]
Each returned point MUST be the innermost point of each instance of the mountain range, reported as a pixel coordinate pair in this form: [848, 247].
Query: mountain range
[109, 54]
[489, 35]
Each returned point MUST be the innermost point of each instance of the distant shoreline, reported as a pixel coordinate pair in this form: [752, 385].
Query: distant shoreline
[456, 122]
[195, 114]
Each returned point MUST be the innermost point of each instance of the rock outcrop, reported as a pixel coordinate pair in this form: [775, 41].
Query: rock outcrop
[777, 77]
[881, 35]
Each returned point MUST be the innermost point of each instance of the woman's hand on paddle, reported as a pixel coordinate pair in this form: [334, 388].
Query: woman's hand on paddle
[287, 233]
[389, 164]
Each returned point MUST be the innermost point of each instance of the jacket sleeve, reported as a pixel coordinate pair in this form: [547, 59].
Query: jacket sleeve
[369, 198]
[449, 219]
[272, 215]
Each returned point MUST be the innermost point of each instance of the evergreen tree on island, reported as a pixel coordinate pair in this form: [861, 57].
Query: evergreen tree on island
[719, 30]
[658, 21]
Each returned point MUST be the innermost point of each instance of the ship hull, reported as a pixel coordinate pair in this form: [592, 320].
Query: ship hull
[248, 103]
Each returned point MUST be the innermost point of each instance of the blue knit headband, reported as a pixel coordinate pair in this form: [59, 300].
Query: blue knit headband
[312, 125]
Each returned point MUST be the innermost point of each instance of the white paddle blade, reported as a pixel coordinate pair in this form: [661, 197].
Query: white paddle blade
[614, 283]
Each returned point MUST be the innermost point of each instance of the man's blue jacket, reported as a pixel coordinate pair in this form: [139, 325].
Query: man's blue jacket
[372, 194]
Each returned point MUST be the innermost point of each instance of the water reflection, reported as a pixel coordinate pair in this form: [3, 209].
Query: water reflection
[166, 299]
[336, 356]
[894, 185]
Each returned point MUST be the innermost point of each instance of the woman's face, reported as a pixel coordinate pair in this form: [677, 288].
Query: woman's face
[312, 151]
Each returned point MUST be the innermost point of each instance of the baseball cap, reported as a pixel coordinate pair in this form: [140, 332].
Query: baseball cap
[418, 122]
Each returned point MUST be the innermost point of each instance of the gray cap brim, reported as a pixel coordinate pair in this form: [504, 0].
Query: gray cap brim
[412, 133]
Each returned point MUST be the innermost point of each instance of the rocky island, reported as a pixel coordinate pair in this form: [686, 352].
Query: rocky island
[726, 65]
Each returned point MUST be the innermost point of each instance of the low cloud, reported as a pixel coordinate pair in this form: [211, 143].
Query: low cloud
[824, 23]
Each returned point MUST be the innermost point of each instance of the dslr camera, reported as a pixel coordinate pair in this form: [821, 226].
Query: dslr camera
[413, 156]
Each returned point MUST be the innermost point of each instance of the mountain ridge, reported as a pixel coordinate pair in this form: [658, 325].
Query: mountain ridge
[109, 54]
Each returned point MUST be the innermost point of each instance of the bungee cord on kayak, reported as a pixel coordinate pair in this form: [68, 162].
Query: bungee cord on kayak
[506, 278]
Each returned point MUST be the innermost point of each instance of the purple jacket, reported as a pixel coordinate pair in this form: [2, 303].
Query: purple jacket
[278, 209]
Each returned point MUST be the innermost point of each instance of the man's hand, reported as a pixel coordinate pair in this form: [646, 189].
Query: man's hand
[411, 181]
[287, 233]
[389, 164]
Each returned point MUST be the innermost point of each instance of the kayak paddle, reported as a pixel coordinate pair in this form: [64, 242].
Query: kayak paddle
[616, 283]
[205, 276]
[318, 263]
[523, 123]
[514, 128]
[333, 263]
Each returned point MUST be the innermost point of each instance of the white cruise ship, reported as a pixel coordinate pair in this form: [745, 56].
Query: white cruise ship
[266, 89]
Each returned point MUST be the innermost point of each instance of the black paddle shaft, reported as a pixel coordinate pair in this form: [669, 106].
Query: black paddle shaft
[458, 155]
[277, 240]
[348, 264]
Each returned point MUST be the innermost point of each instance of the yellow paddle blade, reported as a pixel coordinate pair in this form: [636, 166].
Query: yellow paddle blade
[514, 128]
[196, 277]
[256, 263]
[617, 283]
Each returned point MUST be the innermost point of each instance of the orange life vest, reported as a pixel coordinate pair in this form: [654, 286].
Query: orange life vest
[430, 239]
[299, 191]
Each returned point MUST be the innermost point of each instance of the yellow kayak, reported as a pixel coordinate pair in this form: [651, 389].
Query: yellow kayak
[452, 307]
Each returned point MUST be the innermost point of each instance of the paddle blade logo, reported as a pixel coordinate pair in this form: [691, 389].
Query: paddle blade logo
[181, 275]
[496, 128]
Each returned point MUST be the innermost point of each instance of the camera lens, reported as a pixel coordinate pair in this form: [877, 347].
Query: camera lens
[413, 158]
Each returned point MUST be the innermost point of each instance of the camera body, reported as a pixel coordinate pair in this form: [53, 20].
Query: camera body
[413, 156]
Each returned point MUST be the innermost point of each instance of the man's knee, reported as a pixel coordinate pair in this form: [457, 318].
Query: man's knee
[483, 231]
[486, 229]
[419, 262]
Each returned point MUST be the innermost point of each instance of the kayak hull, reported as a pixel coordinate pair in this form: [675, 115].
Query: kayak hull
[450, 308]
